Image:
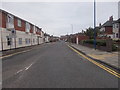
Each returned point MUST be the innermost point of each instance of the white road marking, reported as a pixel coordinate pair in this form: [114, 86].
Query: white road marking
[26, 68]
[19, 71]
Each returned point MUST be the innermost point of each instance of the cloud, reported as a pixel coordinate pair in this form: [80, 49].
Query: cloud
[56, 17]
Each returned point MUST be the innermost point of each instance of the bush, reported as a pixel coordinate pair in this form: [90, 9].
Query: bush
[98, 42]
[114, 47]
[101, 43]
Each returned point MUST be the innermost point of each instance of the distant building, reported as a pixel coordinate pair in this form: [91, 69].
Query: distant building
[47, 38]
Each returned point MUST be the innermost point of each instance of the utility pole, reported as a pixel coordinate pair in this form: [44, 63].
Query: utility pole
[94, 24]
[72, 28]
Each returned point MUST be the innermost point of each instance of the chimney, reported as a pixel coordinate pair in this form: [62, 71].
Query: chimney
[111, 18]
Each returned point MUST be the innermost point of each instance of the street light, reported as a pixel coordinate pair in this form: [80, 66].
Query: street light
[94, 25]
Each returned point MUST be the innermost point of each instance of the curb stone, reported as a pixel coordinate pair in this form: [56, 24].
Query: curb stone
[114, 67]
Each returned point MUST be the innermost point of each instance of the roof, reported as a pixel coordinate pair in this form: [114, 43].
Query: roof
[117, 21]
[20, 18]
[108, 24]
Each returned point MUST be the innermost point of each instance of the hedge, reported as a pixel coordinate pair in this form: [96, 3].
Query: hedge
[98, 42]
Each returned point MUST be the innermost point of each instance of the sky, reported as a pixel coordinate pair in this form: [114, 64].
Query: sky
[57, 18]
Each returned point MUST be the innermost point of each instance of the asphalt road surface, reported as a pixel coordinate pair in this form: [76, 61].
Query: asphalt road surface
[54, 65]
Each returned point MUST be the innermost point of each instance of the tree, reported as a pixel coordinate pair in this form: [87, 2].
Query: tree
[90, 32]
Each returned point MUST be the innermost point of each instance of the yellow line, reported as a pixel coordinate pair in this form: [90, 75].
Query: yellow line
[98, 64]
[14, 54]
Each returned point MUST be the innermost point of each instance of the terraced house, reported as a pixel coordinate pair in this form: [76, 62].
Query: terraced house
[16, 32]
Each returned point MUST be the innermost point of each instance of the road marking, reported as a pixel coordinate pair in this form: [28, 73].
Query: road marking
[19, 71]
[96, 63]
[26, 68]
[14, 54]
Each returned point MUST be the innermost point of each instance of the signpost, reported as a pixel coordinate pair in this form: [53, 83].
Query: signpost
[13, 35]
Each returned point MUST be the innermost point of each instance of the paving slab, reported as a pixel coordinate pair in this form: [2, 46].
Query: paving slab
[110, 58]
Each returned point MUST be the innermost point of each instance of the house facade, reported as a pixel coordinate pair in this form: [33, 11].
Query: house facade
[16, 32]
[116, 29]
[106, 30]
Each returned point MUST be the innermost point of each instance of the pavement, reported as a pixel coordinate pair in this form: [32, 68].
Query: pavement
[110, 58]
[54, 65]
[8, 52]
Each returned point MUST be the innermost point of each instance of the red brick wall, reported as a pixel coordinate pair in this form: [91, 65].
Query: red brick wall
[4, 18]
[22, 28]
[82, 37]
[38, 31]
[108, 30]
[101, 38]
[31, 28]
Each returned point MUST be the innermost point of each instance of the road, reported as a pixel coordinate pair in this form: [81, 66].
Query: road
[54, 65]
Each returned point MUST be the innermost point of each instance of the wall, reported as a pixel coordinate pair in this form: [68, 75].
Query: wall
[34, 39]
[15, 41]
[108, 30]
[22, 28]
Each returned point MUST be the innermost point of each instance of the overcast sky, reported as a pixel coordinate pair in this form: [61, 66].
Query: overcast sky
[56, 17]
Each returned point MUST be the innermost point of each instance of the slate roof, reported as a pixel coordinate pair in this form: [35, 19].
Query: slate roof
[108, 24]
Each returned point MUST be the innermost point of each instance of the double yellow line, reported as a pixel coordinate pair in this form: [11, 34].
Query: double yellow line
[1, 57]
[96, 63]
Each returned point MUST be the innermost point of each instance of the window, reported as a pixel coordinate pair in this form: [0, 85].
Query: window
[33, 40]
[20, 41]
[29, 41]
[26, 41]
[10, 19]
[35, 29]
[19, 22]
[117, 25]
[113, 25]
[27, 27]
[116, 35]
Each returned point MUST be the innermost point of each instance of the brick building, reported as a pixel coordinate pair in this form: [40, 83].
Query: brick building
[16, 32]
[107, 28]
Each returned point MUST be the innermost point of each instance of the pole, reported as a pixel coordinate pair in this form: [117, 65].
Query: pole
[94, 25]
[72, 28]
[1, 40]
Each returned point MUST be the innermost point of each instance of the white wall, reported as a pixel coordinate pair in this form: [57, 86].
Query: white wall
[19, 34]
[46, 38]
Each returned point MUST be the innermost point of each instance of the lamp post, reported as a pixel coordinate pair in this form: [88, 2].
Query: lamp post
[94, 25]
